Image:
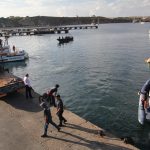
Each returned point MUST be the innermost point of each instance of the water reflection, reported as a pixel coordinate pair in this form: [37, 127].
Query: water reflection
[60, 44]
[63, 44]
[11, 65]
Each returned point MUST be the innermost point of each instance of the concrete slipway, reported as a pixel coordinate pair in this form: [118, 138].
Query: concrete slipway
[21, 127]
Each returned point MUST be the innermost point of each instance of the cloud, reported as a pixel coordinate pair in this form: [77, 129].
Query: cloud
[106, 8]
[131, 7]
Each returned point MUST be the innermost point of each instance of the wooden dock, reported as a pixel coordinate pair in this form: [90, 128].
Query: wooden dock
[21, 31]
[9, 83]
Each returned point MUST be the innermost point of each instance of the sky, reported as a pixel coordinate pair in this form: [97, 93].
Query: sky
[72, 8]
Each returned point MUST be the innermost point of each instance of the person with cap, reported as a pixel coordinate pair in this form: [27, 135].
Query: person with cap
[52, 94]
[60, 110]
[47, 116]
[27, 86]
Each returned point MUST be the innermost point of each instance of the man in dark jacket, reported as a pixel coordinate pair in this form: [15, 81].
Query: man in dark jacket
[60, 110]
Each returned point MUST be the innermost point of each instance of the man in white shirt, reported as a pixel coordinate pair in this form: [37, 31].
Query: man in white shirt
[27, 86]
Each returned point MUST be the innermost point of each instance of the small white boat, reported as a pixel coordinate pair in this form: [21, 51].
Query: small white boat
[8, 55]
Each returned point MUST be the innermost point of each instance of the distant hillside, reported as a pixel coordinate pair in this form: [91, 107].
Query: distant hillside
[56, 21]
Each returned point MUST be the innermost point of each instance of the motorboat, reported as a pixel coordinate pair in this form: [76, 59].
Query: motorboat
[9, 55]
[65, 39]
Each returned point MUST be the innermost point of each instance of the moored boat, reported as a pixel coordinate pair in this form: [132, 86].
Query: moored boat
[8, 55]
[65, 39]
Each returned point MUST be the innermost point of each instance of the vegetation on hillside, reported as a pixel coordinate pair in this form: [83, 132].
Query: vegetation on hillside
[56, 21]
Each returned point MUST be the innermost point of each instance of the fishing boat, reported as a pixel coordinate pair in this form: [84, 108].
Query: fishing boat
[65, 39]
[9, 55]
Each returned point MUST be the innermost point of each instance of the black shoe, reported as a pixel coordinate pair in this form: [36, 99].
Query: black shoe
[65, 121]
[60, 125]
[44, 135]
[58, 129]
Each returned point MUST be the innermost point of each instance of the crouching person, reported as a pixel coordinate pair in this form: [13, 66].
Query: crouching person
[60, 110]
[52, 94]
[47, 116]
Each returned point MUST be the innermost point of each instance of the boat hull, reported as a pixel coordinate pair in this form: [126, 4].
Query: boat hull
[12, 58]
[65, 40]
[143, 113]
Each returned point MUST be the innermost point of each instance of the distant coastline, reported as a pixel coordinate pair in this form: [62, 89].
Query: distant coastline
[58, 21]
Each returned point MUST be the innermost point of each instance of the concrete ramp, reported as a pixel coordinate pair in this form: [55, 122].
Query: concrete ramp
[22, 122]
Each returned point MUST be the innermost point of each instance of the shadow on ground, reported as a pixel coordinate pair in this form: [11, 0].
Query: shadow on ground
[18, 100]
[95, 145]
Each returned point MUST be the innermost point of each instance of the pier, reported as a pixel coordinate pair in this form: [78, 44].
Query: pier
[9, 83]
[21, 31]
[22, 123]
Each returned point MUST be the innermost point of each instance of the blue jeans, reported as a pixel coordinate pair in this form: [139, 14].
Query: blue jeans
[47, 123]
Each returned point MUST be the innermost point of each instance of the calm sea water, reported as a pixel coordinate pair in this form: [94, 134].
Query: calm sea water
[99, 73]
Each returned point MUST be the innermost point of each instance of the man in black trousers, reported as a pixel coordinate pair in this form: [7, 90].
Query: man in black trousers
[27, 86]
[60, 110]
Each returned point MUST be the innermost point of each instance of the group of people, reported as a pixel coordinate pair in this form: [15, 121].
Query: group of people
[51, 98]
[47, 100]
